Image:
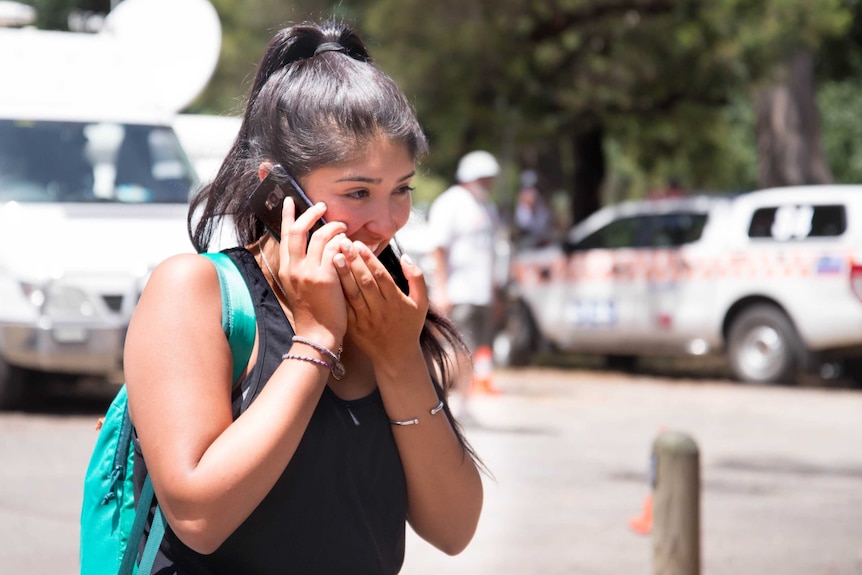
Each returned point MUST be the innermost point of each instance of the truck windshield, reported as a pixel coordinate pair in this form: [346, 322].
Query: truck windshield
[92, 162]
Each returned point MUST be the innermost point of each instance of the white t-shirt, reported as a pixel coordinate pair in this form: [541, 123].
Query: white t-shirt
[466, 229]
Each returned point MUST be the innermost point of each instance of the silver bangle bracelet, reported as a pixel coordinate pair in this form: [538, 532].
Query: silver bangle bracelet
[434, 411]
[413, 421]
[438, 409]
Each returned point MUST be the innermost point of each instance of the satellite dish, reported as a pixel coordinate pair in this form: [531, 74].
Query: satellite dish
[171, 45]
[151, 56]
[15, 14]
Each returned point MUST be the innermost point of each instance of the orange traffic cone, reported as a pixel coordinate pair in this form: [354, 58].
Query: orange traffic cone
[643, 524]
[483, 372]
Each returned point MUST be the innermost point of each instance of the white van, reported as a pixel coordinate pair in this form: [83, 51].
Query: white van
[207, 139]
[94, 188]
[87, 209]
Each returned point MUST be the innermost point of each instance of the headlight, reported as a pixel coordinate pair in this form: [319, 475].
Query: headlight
[34, 294]
[67, 302]
[58, 301]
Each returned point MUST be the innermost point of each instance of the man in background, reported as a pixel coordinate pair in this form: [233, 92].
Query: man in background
[532, 218]
[464, 224]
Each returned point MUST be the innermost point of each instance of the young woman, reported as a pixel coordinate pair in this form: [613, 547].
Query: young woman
[338, 432]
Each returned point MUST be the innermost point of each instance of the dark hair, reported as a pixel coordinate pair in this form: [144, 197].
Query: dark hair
[307, 108]
[317, 100]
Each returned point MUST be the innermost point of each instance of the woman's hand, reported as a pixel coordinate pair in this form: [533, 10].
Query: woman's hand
[381, 319]
[307, 274]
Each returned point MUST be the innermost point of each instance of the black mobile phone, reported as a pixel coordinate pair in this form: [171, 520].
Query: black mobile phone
[267, 200]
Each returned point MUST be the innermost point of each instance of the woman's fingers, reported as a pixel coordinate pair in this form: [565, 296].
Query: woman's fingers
[370, 275]
[357, 281]
[298, 243]
[415, 281]
[367, 283]
[298, 228]
[352, 292]
[381, 319]
[287, 219]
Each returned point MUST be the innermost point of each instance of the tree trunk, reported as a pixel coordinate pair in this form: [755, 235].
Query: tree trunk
[589, 172]
[788, 129]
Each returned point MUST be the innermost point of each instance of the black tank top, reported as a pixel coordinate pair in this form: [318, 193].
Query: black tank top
[340, 506]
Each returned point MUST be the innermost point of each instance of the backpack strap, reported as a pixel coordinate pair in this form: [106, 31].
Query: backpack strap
[154, 541]
[238, 321]
[237, 311]
[157, 533]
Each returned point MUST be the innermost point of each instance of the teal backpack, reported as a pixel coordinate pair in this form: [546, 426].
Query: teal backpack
[111, 525]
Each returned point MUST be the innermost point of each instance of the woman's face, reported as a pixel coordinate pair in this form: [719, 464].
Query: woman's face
[371, 194]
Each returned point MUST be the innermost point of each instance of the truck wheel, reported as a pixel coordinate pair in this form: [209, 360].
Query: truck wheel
[517, 342]
[622, 363]
[763, 347]
[11, 385]
[853, 369]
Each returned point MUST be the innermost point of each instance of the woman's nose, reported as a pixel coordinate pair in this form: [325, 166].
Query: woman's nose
[383, 222]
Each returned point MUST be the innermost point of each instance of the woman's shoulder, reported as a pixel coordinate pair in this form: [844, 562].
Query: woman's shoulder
[185, 280]
[184, 271]
[180, 302]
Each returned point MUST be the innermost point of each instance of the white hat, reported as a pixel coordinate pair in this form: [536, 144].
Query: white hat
[476, 165]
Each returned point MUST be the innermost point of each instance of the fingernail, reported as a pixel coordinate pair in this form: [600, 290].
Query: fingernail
[407, 260]
[339, 261]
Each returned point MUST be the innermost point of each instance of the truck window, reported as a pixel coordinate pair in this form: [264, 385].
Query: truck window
[621, 233]
[798, 222]
[92, 162]
[676, 229]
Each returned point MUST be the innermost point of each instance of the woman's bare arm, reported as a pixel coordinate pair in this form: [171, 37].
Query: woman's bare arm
[208, 471]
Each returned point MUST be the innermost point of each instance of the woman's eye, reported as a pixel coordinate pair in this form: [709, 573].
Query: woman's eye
[405, 189]
[358, 194]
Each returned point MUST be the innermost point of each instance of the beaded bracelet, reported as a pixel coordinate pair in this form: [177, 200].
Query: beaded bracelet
[434, 411]
[313, 360]
[336, 367]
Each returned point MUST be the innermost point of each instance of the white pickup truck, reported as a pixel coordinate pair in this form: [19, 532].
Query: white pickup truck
[94, 183]
[771, 279]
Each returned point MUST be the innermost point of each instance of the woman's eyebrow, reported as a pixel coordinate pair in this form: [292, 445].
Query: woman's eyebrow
[375, 181]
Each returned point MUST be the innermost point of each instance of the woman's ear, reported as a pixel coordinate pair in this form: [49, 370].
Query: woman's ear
[263, 170]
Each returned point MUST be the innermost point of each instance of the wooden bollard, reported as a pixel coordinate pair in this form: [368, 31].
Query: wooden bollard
[676, 505]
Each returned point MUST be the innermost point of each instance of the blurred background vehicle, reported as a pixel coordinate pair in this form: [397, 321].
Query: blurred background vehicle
[771, 279]
[94, 183]
[764, 118]
[206, 139]
[87, 209]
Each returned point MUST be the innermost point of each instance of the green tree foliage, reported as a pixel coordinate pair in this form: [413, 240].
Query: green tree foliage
[448, 59]
[838, 68]
[656, 80]
[841, 110]
[247, 27]
[54, 14]
[612, 95]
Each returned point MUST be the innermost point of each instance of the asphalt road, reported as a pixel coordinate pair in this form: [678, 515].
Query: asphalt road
[781, 472]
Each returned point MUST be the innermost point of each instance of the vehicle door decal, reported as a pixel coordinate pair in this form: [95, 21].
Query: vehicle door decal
[591, 313]
[663, 268]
